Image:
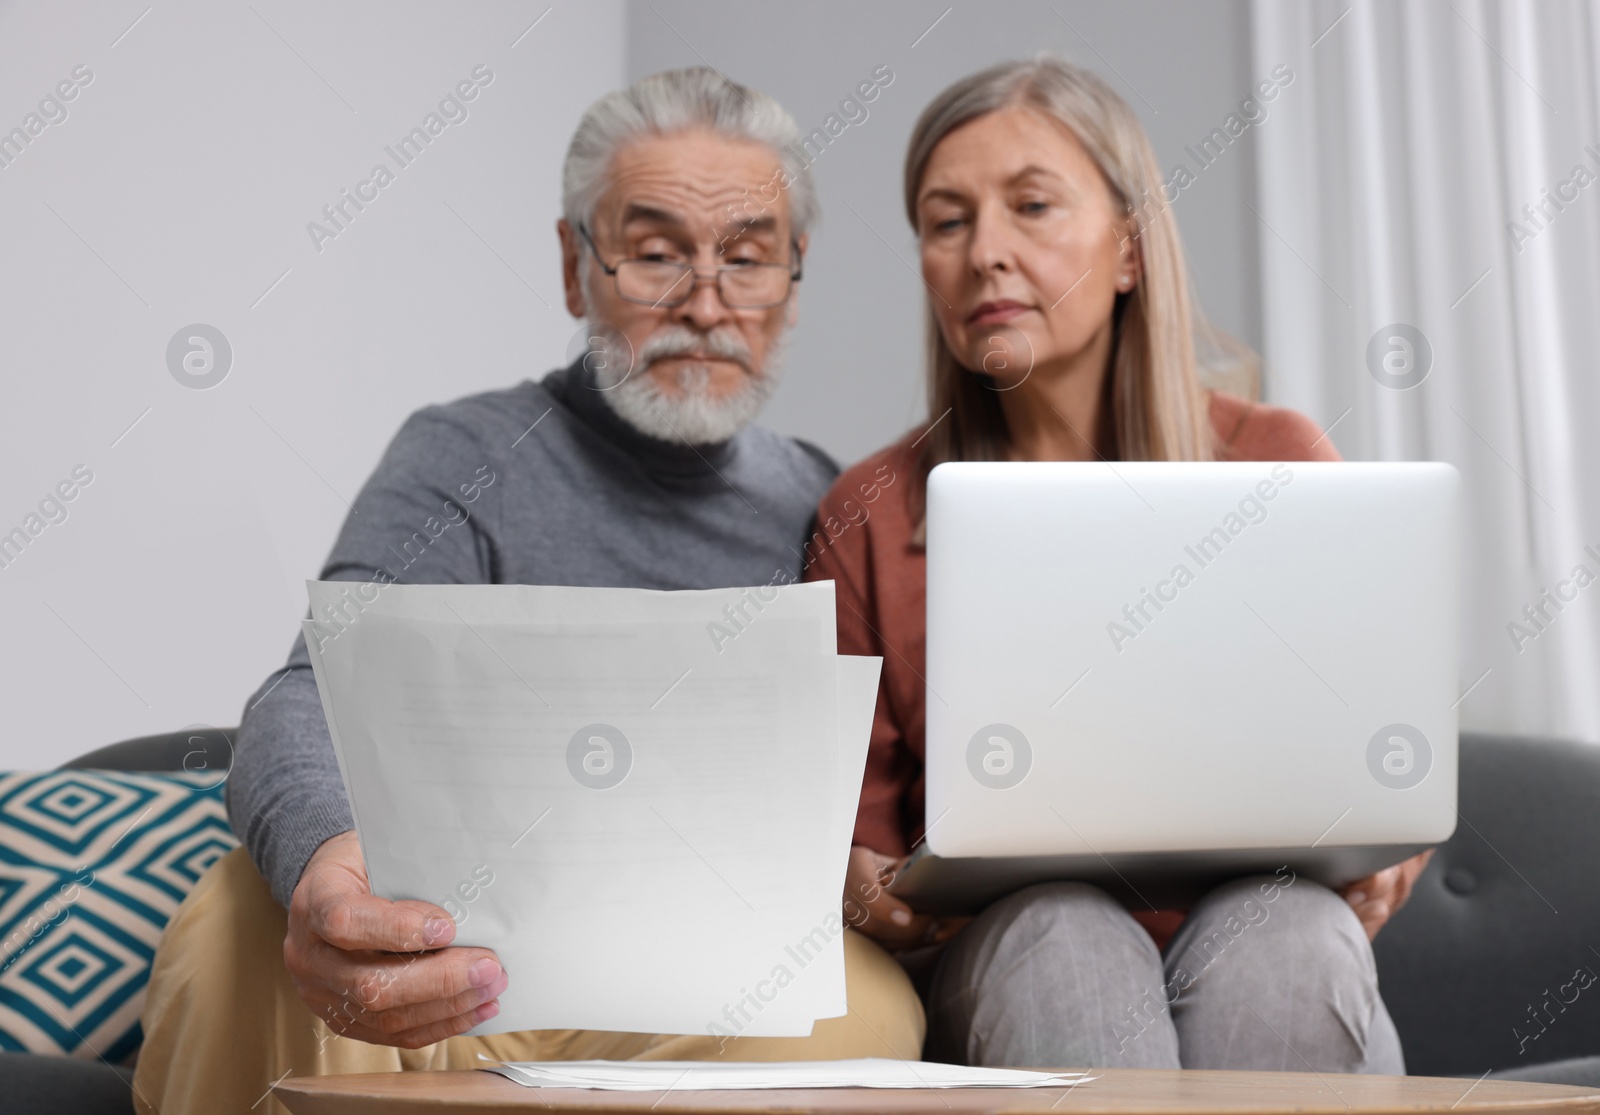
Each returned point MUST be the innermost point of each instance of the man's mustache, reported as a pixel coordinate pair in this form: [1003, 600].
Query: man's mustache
[677, 340]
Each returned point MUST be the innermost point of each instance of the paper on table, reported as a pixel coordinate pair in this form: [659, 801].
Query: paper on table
[681, 1076]
[467, 720]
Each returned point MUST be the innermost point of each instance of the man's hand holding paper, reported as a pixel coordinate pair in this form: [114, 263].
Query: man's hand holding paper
[377, 970]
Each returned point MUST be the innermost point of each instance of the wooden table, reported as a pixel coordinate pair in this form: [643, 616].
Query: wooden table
[1123, 1091]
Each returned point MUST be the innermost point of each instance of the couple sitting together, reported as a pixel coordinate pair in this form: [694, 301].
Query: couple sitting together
[1028, 187]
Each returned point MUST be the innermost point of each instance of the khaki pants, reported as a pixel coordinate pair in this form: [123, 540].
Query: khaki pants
[222, 1021]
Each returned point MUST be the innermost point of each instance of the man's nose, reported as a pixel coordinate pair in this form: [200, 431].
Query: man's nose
[704, 309]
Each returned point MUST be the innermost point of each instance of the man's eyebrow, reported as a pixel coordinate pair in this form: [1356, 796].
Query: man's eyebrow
[742, 225]
[638, 211]
[756, 224]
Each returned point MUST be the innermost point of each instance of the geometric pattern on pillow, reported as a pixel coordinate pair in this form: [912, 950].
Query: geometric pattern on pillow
[92, 866]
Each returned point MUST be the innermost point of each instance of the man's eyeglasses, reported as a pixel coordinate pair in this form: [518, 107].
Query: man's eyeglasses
[743, 286]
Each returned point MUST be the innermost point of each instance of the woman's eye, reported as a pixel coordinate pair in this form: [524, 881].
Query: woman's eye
[1034, 207]
[949, 224]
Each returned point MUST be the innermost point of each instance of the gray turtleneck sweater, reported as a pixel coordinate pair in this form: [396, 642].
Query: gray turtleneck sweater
[538, 484]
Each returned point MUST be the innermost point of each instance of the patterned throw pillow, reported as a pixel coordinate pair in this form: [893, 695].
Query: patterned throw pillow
[92, 866]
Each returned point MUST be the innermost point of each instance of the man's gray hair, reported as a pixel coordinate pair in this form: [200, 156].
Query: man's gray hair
[683, 100]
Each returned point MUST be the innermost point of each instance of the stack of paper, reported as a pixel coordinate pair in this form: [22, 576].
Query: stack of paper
[642, 801]
[680, 1076]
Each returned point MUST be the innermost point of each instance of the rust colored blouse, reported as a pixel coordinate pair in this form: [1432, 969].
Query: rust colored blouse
[863, 543]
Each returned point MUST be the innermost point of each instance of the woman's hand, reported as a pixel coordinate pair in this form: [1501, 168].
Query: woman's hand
[1376, 898]
[870, 908]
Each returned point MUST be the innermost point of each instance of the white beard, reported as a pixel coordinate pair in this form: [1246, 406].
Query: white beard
[686, 411]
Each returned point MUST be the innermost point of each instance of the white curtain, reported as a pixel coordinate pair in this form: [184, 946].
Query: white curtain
[1392, 183]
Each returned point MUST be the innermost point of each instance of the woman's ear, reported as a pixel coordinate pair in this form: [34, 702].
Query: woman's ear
[1129, 268]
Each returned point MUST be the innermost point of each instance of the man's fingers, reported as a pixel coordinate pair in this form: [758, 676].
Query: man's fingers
[379, 971]
[358, 921]
[418, 1037]
[415, 1016]
[381, 983]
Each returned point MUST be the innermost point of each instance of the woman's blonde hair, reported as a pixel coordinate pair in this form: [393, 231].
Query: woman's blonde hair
[1158, 408]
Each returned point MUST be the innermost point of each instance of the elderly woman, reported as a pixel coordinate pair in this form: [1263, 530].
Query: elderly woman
[1061, 330]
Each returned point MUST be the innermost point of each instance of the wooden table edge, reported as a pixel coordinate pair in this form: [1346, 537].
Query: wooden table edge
[1149, 1091]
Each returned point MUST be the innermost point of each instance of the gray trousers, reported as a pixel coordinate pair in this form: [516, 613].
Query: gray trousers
[1267, 973]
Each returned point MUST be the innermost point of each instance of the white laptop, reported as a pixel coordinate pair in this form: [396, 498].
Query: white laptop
[1158, 676]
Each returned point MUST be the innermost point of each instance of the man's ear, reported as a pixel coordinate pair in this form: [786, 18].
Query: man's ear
[803, 241]
[571, 260]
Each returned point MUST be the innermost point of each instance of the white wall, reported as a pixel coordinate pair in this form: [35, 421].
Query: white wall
[854, 370]
[178, 190]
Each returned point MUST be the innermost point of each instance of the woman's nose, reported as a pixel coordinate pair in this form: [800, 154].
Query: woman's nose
[990, 248]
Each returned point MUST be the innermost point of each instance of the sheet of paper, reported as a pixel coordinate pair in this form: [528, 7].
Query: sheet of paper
[723, 614]
[682, 1076]
[638, 799]
[822, 984]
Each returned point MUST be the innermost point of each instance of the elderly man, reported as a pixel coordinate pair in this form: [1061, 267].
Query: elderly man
[635, 466]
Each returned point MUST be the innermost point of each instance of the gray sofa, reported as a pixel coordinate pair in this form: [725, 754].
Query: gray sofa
[1483, 956]
[1505, 916]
